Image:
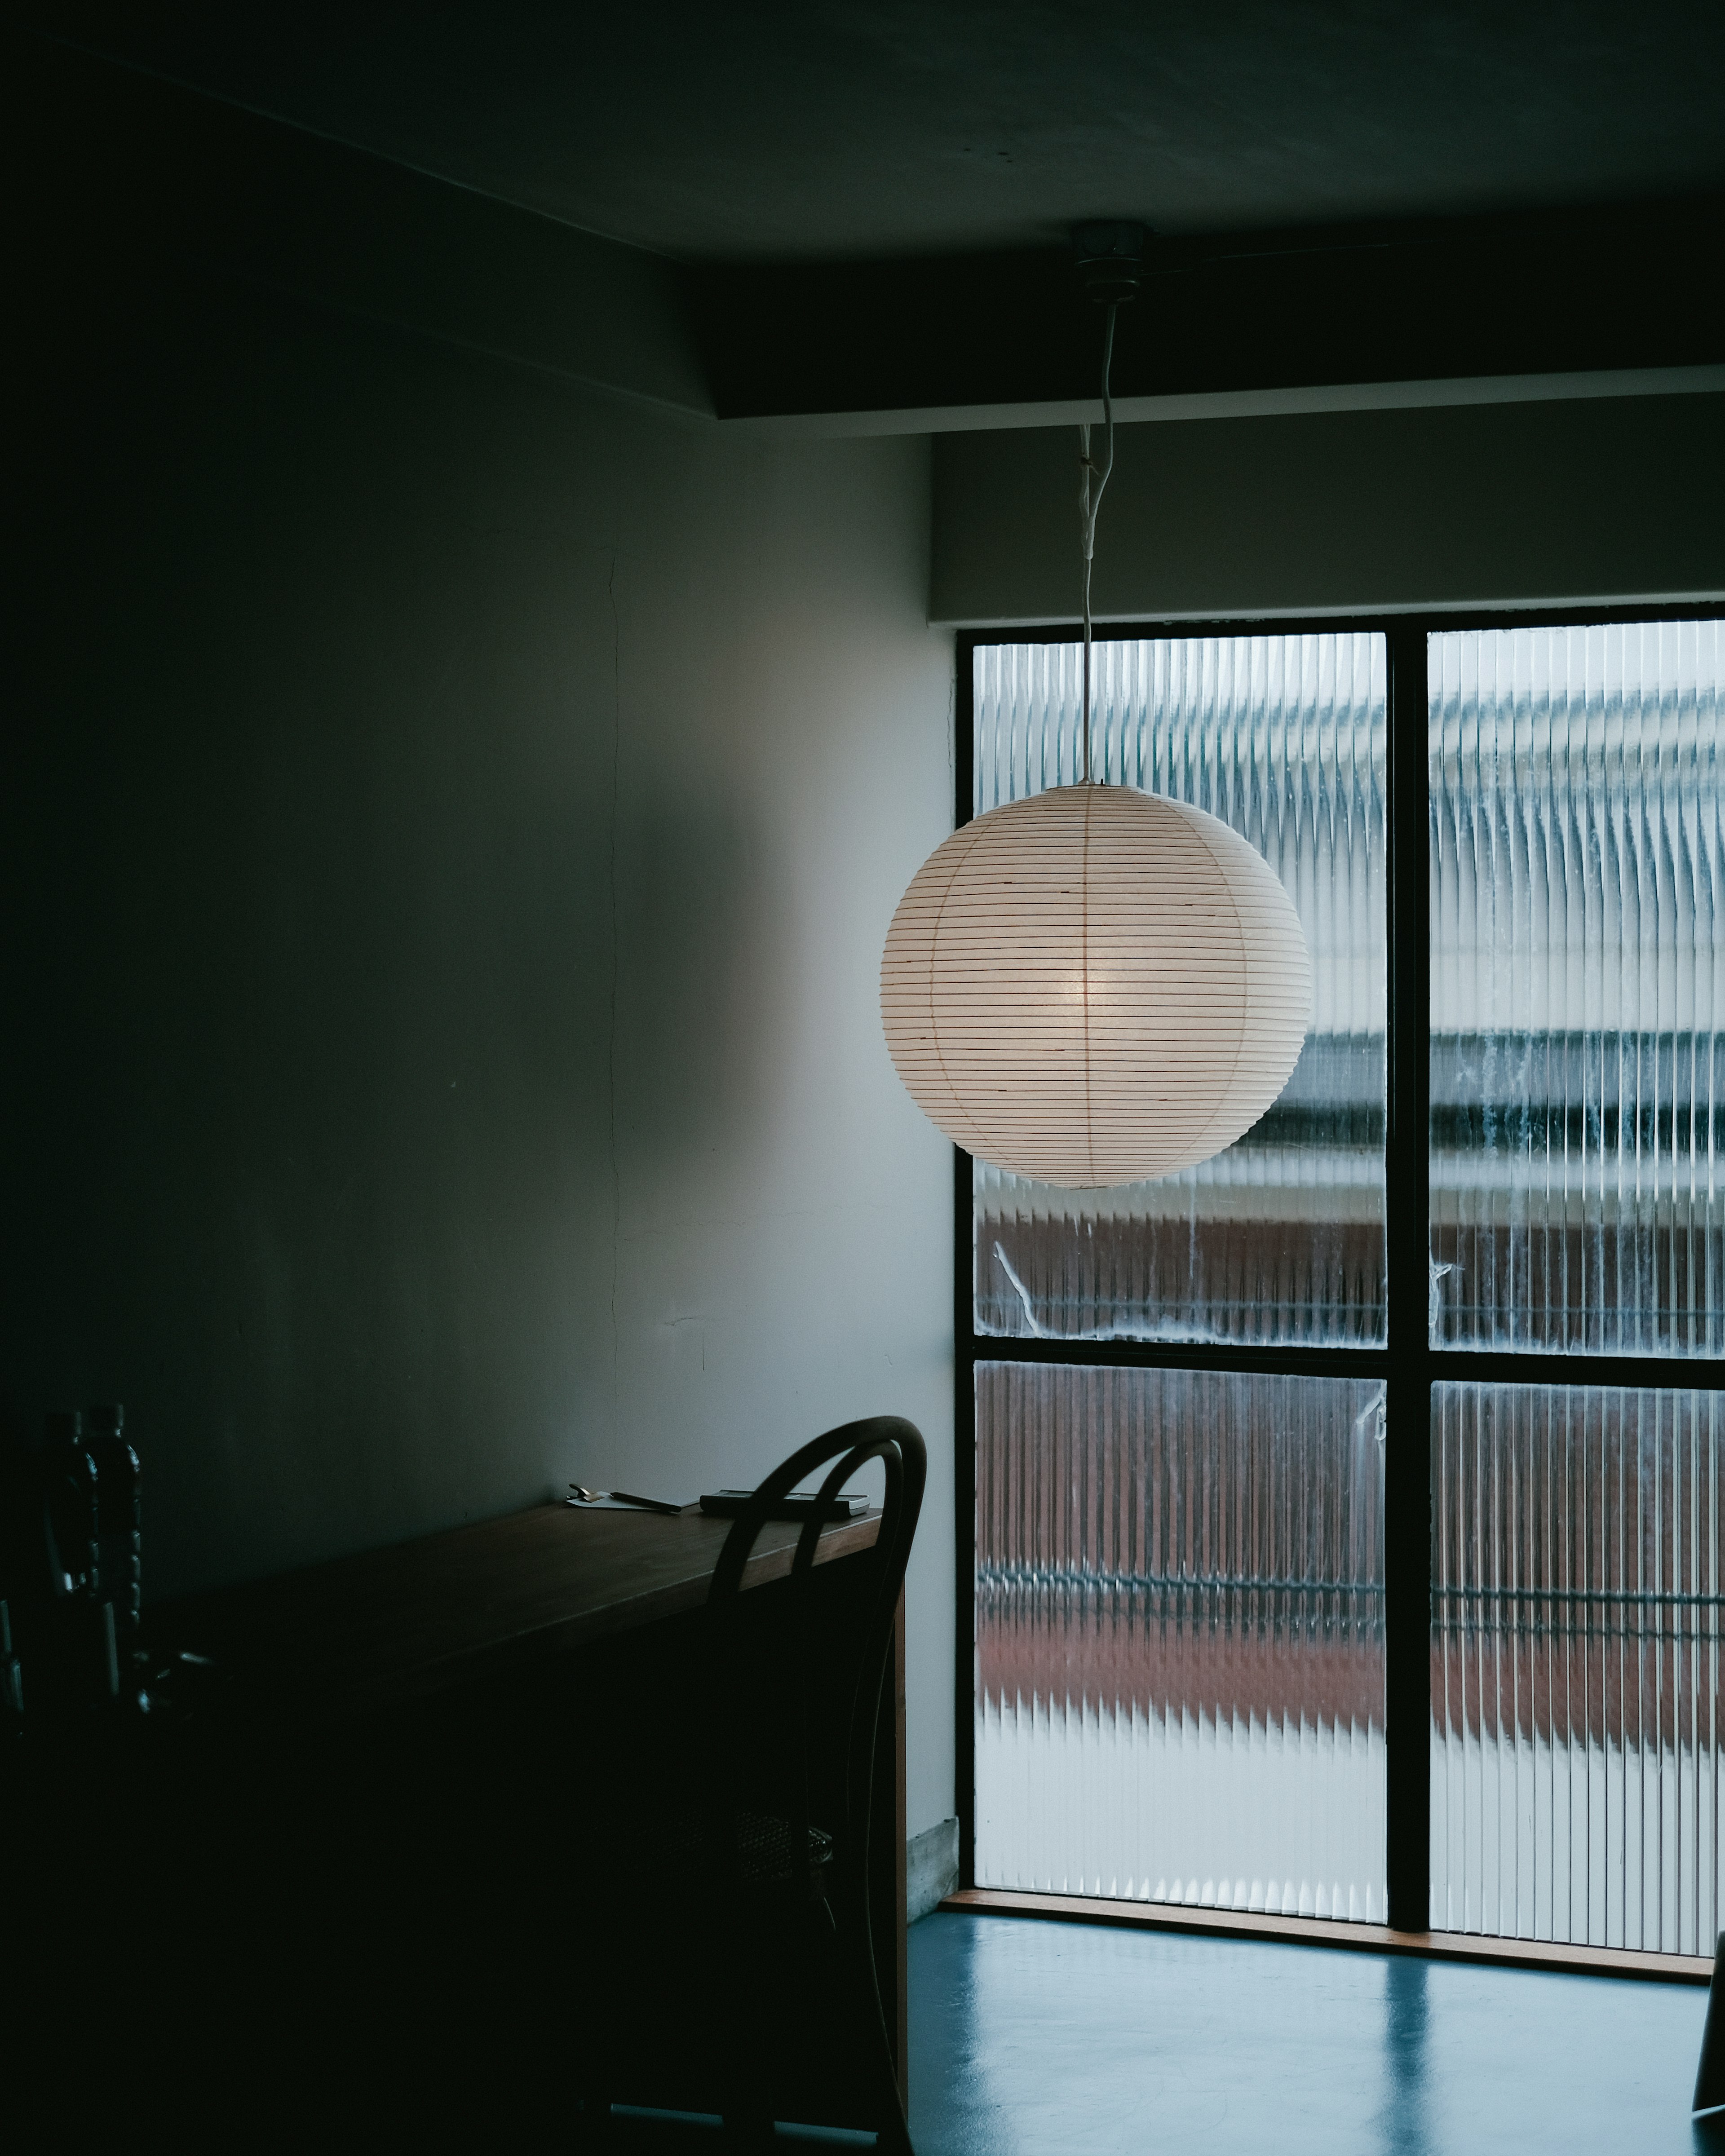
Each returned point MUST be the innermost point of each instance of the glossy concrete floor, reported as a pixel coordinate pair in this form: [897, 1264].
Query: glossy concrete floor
[1030, 2039]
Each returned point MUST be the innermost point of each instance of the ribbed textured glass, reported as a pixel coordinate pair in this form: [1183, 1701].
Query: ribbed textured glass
[1578, 939]
[1180, 1637]
[1280, 1237]
[1576, 1663]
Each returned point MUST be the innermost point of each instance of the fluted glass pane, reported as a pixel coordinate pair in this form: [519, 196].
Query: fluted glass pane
[1578, 940]
[1180, 1637]
[1575, 1664]
[1280, 1237]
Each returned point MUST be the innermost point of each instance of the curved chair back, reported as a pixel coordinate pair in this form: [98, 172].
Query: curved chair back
[842, 1453]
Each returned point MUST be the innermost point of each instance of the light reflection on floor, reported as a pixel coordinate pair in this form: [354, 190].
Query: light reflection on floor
[1031, 2038]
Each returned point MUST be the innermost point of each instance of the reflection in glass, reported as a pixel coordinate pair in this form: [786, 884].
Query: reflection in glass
[1180, 1637]
[1280, 1238]
[1578, 945]
[1576, 1663]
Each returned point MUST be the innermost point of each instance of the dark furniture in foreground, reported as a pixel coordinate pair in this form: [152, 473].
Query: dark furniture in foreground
[358, 1887]
[768, 1893]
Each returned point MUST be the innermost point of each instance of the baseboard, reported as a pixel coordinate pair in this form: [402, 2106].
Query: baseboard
[1322, 1931]
[931, 1868]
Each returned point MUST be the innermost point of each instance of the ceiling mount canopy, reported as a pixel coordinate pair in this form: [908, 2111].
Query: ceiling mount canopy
[1109, 257]
[1095, 985]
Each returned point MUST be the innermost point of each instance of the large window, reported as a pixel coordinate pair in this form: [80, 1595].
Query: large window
[1301, 1585]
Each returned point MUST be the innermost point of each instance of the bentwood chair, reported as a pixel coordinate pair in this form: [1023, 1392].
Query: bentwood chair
[763, 1868]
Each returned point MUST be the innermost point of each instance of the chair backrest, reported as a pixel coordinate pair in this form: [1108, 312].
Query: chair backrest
[898, 1445]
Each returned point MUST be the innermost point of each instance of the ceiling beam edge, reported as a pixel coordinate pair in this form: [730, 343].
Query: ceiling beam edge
[133, 169]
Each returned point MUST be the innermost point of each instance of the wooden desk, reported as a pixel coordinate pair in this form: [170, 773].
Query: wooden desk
[366, 1666]
[391, 1625]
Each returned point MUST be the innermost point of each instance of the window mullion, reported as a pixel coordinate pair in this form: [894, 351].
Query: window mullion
[1407, 1478]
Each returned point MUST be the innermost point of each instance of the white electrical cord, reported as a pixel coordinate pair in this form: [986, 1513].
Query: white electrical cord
[1090, 503]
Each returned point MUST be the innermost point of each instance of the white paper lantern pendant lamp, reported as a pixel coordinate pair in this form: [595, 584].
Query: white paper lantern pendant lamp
[1095, 985]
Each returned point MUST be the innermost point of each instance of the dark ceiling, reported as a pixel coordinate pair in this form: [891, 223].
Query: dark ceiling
[833, 130]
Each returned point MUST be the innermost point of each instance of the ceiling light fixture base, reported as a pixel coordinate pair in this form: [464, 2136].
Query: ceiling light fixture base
[1110, 259]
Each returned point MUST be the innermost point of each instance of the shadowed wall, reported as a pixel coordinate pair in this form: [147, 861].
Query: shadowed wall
[1591, 500]
[450, 823]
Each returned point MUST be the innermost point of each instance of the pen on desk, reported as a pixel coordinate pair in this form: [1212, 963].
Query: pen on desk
[585, 1497]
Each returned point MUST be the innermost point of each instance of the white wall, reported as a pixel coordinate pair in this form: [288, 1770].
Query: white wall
[451, 826]
[1590, 500]
[782, 1248]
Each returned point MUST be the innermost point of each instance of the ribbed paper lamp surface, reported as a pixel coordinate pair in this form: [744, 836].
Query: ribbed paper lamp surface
[1095, 985]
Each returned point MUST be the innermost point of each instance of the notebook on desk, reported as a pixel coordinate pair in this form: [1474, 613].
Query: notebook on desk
[798, 1505]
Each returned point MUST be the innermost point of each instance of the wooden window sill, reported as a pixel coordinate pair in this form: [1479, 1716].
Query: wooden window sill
[1324, 1932]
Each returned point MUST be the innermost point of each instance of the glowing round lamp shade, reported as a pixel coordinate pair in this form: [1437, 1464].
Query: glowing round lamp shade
[1095, 985]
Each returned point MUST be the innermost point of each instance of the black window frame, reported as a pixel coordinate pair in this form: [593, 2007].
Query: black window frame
[1408, 1363]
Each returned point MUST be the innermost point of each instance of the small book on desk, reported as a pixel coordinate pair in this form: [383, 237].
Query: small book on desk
[799, 1505]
